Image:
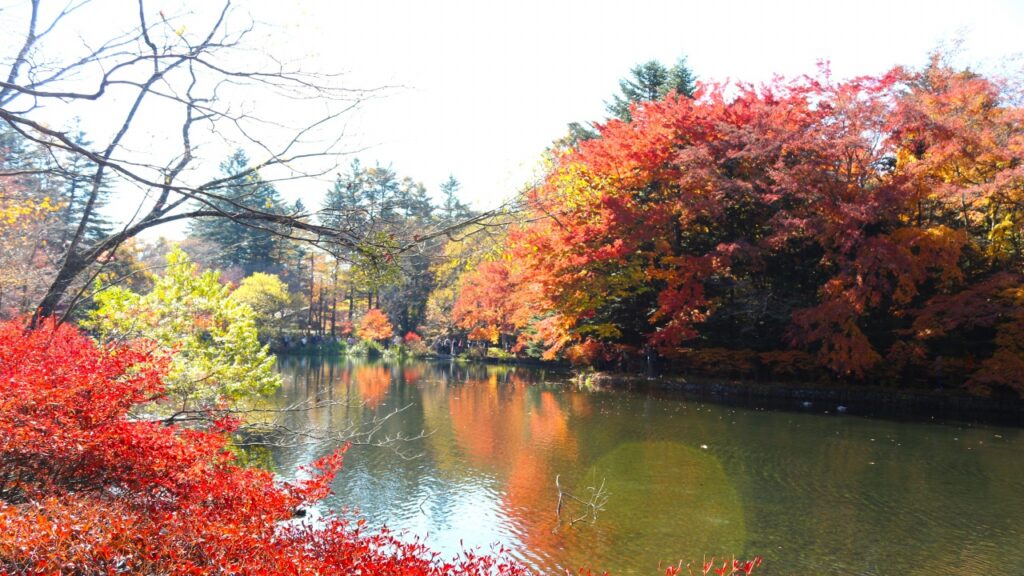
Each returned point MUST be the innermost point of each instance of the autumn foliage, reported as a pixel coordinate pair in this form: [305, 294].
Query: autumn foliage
[87, 489]
[485, 302]
[375, 326]
[867, 230]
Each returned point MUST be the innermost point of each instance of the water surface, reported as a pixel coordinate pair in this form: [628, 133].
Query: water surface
[812, 493]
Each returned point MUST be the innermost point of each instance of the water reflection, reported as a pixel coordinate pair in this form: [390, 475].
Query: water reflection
[813, 494]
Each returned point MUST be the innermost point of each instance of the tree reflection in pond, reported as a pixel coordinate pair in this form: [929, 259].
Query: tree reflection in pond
[812, 493]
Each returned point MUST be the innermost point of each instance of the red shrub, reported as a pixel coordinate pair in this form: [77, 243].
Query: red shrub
[344, 328]
[86, 489]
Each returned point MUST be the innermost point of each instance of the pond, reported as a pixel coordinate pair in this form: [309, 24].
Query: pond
[813, 493]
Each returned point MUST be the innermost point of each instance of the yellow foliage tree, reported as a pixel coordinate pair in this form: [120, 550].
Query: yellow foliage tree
[269, 298]
[23, 274]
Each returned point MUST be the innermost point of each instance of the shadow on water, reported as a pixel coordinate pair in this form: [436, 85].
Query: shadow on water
[812, 493]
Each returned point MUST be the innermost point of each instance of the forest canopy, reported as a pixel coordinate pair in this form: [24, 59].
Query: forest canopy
[869, 229]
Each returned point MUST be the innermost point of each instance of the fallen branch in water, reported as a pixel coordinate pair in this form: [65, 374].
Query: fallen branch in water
[593, 505]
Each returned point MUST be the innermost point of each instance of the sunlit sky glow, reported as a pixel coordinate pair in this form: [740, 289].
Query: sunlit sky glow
[488, 85]
[480, 88]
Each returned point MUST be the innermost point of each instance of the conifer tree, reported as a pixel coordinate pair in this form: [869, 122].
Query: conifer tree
[249, 246]
[651, 81]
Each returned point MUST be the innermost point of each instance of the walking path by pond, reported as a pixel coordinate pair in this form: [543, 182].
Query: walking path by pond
[812, 493]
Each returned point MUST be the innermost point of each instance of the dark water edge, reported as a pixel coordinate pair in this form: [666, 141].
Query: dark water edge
[868, 401]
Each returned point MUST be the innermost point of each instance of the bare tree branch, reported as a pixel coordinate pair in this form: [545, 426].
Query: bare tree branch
[197, 83]
[589, 507]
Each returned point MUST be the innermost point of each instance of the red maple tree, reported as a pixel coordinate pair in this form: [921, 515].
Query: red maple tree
[755, 227]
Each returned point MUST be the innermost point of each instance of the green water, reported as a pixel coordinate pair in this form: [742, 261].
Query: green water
[812, 493]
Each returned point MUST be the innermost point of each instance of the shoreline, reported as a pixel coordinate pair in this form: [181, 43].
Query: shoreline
[869, 401]
[828, 399]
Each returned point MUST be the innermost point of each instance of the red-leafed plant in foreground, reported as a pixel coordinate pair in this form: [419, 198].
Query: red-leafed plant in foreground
[84, 489]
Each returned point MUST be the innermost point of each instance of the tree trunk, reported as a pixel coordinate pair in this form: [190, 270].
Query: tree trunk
[312, 292]
[351, 301]
[321, 315]
[73, 266]
[334, 300]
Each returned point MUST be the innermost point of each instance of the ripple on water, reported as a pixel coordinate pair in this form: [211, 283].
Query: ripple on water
[814, 494]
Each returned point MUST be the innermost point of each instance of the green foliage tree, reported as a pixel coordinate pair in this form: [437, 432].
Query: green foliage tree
[269, 298]
[453, 209]
[651, 81]
[647, 82]
[413, 201]
[382, 212]
[374, 266]
[72, 181]
[247, 245]
[578, 132]
[216, 353]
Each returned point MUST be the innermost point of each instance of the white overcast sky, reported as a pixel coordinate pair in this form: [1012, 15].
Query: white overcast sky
[488, 85]
[482, 87]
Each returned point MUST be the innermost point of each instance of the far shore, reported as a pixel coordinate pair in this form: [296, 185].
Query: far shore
[918, 404]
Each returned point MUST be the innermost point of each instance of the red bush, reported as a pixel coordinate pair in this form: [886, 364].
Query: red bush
[345, 328]
[412, 338]
[586, 353]
[86, 489]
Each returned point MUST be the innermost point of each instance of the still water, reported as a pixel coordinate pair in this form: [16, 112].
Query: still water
[812, 493]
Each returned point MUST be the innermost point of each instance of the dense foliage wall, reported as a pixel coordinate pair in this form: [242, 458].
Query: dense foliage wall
[868, 230]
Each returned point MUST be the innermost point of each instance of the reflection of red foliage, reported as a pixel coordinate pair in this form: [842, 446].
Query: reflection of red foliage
[412, 373]
[87, 490]
[374, 382]
[506, 430]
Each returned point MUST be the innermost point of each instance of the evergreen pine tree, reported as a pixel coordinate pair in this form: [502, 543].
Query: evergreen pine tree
[248, 245]
[72, 182]
[452, 209]
[651, 81]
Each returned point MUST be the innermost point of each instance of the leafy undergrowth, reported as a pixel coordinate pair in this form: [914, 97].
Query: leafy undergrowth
[86, 489]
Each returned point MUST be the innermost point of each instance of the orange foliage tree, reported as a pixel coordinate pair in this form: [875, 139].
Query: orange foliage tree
[484, 306]
[375, 326]
[806, 219]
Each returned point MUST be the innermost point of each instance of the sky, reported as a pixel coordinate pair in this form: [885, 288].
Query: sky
[478, 89]
[486, 86]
